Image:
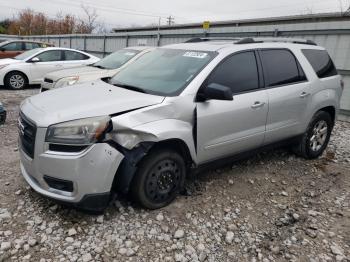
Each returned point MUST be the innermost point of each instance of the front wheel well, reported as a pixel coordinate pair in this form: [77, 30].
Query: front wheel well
[178, 146]
[125, 174]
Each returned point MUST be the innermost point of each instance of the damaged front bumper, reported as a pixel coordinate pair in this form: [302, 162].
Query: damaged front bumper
[83, 179]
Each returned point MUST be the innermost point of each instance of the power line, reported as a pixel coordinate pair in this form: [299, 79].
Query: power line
[304, 4]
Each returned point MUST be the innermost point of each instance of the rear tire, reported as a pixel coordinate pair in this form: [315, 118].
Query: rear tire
[159, 179]
[15, 80]
[315, 140]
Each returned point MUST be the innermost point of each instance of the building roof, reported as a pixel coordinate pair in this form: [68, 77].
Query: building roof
[337, 16]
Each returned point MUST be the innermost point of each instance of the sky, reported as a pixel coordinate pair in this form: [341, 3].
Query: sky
[121, 13]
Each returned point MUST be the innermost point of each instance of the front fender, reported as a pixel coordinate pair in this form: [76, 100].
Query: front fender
[157, 131]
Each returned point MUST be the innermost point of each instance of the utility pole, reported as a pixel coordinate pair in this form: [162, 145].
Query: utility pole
[170, 20]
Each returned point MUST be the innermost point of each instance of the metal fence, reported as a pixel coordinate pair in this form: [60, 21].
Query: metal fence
[329, 30]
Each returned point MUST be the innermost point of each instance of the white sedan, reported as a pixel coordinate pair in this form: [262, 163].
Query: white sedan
[31, 67]
[103, 69]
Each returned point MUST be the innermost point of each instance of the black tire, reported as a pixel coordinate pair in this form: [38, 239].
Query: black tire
[313, 143]
[16, 80]
[159, 179]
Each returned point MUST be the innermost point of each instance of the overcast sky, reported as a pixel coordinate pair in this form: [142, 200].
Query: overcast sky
[117, 13]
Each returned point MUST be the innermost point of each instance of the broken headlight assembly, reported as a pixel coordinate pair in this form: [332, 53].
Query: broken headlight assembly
[67, 81]
[82, 132]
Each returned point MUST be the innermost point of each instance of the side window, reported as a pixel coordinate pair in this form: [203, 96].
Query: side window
[50, 56]
[71, 56]
[321, 62]
[239, 72]
[15, 46]
[281, 68]
[30, 46]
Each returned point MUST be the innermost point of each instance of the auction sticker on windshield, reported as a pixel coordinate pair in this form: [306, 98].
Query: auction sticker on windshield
[196, 55]
[129, 54]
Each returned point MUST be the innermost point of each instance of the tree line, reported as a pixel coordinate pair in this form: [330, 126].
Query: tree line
[29, 22]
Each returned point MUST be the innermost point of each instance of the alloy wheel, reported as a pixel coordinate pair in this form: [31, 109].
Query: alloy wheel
[319, 135]
[17, 81]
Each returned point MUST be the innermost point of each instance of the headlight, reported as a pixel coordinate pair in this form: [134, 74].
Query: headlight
[67, 81]
[78, 132]
[3, 66]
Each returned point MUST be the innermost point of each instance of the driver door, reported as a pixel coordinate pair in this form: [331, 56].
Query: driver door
[225, 128]
[49, 61]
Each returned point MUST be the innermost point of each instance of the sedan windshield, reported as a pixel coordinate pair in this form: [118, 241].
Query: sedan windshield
[27, 54]
[117, 59]
[164, 72]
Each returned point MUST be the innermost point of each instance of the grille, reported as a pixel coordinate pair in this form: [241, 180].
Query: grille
[27, 133]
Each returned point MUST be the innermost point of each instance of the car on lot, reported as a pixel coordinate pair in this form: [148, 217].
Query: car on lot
[10, 49]
[2, 114]
[31, 67]
[105, 68]
[175, 109]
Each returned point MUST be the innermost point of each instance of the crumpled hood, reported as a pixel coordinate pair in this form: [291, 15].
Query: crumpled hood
[77, 71]
[82, 101]
[7, 61]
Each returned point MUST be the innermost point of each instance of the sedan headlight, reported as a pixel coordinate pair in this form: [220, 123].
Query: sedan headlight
[67, 81]
[78, 132]
[3, 66]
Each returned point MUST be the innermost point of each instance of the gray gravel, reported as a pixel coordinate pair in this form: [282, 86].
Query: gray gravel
[272, 207]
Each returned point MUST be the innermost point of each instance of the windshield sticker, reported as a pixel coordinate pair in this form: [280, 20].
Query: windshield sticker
[129, 54]
[199, 55]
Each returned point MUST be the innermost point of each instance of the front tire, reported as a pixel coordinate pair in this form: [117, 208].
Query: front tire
[315, 140]
[15, 80]
[159, 179]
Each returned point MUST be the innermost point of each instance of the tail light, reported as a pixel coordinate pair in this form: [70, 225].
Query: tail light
[342, 84]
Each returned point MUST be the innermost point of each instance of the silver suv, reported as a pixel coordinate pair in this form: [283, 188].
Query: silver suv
[174, 109]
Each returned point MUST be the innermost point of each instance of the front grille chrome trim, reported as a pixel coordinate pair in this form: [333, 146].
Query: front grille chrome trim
[27, 134]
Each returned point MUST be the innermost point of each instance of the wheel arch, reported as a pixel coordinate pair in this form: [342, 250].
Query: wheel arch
[330, 110]
[17, 71]
[127, 169]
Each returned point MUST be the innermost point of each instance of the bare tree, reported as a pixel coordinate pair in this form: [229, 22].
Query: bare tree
[90, 23]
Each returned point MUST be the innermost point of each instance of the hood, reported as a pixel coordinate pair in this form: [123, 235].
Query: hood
[76, 71]
[9, 61]
[82, 101]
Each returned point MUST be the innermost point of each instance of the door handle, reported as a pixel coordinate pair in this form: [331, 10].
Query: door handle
[304, 94]
[258, 105]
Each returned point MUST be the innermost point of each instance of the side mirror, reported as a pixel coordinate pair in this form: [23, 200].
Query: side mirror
[35, 60]
[217, 92]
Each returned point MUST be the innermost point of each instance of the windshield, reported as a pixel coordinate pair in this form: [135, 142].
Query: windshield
[27, 54]
[117, 59]
[164, 72]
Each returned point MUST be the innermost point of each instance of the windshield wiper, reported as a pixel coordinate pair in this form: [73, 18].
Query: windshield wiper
[130, 87]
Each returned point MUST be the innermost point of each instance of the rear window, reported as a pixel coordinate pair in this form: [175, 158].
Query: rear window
[30, 46]
[281, 68]
[321, 62]
[73, 56]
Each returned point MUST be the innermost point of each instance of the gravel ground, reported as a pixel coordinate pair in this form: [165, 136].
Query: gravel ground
[272, 207]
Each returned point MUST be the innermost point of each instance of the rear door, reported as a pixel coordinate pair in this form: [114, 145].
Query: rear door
[31, 45]
[74, 59]
[288, 91]
[228, 127]
[50, 61]
[11, 50]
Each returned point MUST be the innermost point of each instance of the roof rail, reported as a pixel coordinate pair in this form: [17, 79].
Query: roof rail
[254, 40]
[207, 39]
